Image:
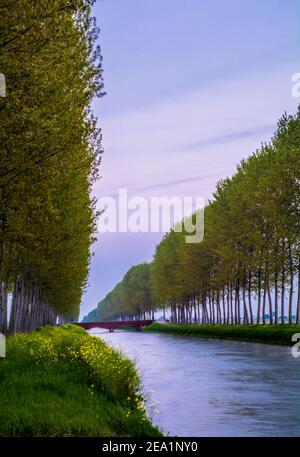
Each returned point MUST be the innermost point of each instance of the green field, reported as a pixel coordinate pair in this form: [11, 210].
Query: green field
[60, 381]
[270, 334]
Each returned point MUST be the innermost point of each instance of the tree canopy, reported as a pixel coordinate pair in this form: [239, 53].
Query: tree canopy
[50, 155]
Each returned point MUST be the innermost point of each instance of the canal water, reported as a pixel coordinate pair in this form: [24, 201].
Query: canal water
[215, 387]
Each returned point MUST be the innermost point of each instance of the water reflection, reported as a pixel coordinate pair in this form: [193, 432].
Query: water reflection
[216, 388]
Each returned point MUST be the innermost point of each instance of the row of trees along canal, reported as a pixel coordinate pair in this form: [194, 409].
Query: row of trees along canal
[250, 251]
[50, 154]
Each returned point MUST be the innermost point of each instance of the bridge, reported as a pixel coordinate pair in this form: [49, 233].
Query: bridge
[111, 326]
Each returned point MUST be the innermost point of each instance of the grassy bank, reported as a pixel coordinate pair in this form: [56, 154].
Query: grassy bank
[60, 381]
[271, 334]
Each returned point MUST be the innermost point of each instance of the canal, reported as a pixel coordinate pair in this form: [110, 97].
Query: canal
[215, 387]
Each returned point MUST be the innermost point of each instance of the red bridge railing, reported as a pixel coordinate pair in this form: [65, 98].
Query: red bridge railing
[111, 326]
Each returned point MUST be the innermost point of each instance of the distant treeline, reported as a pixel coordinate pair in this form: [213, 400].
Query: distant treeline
[49, 157]
[132, 298]
[250, 251]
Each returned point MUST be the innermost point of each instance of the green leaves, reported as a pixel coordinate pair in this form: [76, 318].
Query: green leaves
[50, 146]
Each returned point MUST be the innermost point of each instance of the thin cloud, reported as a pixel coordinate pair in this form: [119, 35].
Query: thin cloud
[161, 185]
[175, 182]
[226, 138]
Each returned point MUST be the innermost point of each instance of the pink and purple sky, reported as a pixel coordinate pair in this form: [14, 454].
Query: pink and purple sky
[192, 88]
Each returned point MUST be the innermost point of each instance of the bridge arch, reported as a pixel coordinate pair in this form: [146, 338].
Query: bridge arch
[111, 326]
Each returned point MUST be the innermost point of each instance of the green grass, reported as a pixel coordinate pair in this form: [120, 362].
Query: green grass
[60, 381]
[271, 334]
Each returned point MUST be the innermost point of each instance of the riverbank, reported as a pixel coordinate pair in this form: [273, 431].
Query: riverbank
[269, 334]
[61, 381]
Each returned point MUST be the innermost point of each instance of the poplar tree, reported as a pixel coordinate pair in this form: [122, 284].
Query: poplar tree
[50, 156]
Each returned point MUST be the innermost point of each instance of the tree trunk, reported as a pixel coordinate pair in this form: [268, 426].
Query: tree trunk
[224, 306]
[270, 304]
[213, 308]
[231, 303]
[245, 317]
[237, 302]
[298, 298]
[249, 296]
[291, 286]
[264, 301]
[259, 297]
[276, 295]
[210, 308]
[14, 305]
[3, 308]
[282, 288]
[218, 308]
[228, 304]
[204, 310]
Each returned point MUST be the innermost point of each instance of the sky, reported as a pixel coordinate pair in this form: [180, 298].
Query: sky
[192, 88]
